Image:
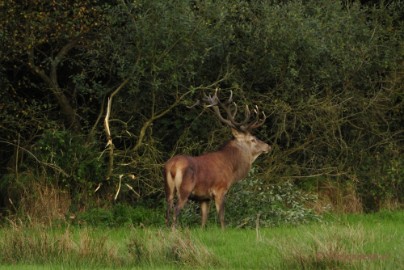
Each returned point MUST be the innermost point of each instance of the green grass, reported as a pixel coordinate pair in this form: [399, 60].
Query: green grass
[339, 242]
[344, 242]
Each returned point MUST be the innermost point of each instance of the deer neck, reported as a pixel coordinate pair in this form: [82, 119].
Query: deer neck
[239, 158]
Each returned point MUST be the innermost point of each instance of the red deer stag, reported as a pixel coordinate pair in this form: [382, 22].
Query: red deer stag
[210, 176]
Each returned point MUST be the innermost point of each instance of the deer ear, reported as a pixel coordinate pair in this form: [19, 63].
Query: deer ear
[237, 134]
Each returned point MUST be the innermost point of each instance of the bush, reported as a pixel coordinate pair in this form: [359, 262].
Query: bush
[78, 161]
[381, 182]
[252, 203]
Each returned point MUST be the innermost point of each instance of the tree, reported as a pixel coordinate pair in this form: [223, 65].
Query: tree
[328, 75]
[45, 37]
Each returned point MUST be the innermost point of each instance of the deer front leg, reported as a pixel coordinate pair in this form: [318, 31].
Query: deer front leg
[205, 211]
[219, 201]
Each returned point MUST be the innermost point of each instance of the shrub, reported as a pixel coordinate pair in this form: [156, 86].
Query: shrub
[74, 163]
[251, 203]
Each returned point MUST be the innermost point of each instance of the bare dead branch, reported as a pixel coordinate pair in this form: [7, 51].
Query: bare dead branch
[110, 144]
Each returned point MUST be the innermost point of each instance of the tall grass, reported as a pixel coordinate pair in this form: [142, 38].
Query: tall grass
[41, 245]
[329, 247]
[159, 247]
[96, 248]
[349, 242]
[346, 242]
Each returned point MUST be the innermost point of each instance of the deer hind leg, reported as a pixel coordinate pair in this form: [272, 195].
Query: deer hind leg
[184, 185]
[169, 190]
[205, 211]
[180, 204]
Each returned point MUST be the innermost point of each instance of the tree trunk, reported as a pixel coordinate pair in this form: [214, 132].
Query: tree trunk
[68, 112]
[51, 79]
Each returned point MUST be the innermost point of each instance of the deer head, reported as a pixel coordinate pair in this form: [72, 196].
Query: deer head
[241, 129]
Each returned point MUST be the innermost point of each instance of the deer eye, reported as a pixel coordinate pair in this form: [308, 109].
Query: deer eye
[253, 140]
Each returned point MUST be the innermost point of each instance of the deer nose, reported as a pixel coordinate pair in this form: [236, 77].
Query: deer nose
[268, 148]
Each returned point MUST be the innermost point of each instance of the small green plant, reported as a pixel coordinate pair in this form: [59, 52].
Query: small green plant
[96, 217]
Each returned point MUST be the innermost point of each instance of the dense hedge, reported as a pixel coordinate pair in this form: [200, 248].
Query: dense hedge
[328, 74]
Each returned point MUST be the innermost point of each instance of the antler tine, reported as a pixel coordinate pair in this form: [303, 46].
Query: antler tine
[228, 122]
[244, 124]
[235, 110]
[231, 109]
[230, 100]
[258, 122]
[195, 104]
[231, 113]
[211, 100]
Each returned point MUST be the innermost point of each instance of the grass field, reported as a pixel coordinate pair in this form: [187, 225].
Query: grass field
[372, 241]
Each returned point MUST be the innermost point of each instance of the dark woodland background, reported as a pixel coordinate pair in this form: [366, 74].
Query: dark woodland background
[329, 75]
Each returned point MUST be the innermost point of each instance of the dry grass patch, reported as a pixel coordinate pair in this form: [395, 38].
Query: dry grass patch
[173, 247]
[330, 247]
[41, 245]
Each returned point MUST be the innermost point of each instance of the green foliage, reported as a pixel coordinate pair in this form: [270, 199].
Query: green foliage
[96, 216]
[382, 180]
[119, 215]
[327, 73]
[252, 203]
[74, 163]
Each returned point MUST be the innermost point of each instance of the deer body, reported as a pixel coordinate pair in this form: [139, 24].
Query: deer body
[210, 176]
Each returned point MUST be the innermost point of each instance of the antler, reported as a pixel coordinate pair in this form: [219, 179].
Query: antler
[231, 109]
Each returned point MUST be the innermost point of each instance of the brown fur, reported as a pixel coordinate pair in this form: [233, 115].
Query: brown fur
[210, 176]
